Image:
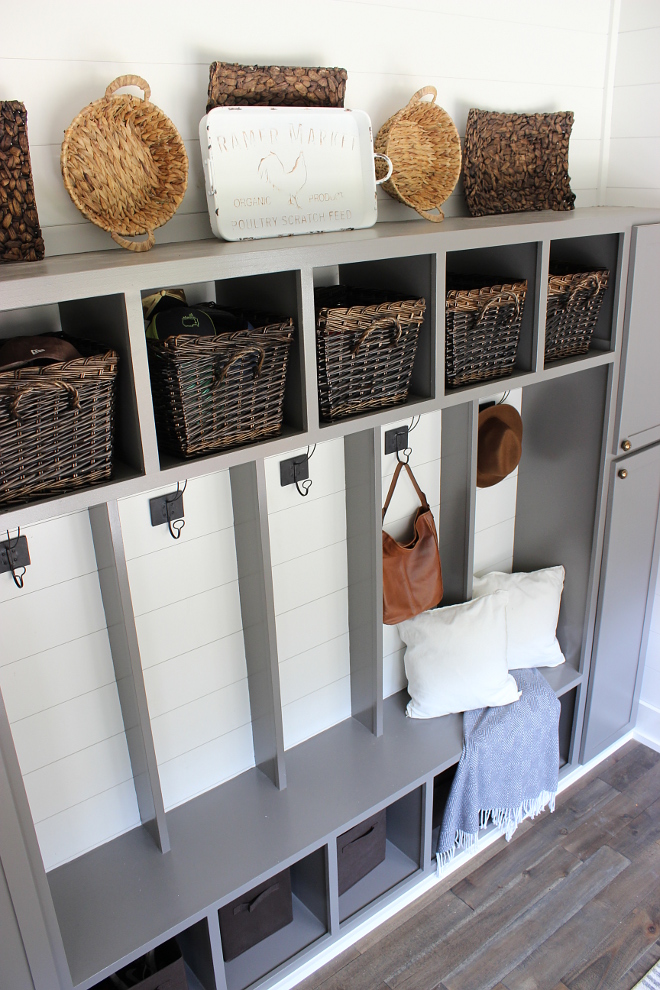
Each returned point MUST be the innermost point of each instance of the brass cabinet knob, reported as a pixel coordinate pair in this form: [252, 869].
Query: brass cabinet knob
[626, 445]
[622, 473]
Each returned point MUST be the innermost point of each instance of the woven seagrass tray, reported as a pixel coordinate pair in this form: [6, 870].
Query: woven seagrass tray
[124, 164]
[366, 343]
[482, 327]
[517, 161]
[234, 85]
[425, 150]
[215, 392]
[56, 427]
[574, 301]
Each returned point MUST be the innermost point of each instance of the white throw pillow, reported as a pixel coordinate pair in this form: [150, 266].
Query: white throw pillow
[531, 615]
[455, 658]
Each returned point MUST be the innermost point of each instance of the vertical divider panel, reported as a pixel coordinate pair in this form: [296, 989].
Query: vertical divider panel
[427, 824]
[140, 361]
[25, 875]
[216, 950]
[308, 330]
[440, 309]
[255, 582]
[364, 549]
[122, 634]
[458, 479]
[333, 888]
[541, 305]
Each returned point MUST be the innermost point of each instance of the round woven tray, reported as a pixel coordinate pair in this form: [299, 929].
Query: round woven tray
[125, 165]
[425, 149]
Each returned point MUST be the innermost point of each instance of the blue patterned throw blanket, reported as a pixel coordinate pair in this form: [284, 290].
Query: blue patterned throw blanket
[509, 768]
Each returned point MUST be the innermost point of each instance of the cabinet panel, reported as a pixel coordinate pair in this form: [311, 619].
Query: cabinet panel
[14, 969]
[625, 576]
[639, 414]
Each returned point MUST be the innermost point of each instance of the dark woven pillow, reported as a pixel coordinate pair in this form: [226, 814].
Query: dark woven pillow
[517, 161]
[231, 84]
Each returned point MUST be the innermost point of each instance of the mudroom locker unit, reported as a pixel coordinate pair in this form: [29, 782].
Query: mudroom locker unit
[587, 498]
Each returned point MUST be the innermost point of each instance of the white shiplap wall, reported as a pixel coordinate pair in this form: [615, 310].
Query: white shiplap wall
[57, 677]
[634, 180]
[503, 55]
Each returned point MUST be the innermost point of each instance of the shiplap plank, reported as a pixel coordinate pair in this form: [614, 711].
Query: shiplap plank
[636, 111]
[188, 624]
[182, 570]
[651, 686]
[60, 550]
[207, 506]
[56, 675]
[309, 577]
[326, 469]
[307, 527]
[190, 676]
[496, 503]
[207, 766]
[318, 711]
[637, 57]
[648, 197]
[637, 15]
[634, 162]
[394, 674]
[190, 726]
[316, 668]
[493, 544]
[311, 625]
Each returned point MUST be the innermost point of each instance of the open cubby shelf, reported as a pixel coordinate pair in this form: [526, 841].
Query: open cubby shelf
[171, 876]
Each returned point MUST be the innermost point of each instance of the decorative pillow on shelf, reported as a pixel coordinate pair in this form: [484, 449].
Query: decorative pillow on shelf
[455, 658]
[532, 613]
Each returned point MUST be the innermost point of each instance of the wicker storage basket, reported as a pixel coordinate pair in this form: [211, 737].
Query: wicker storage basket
[215, 392]
[425, 150]
[517, 161]
[482, 327]
[233, 85]
[56, 427]
[365, 346]
[574, 301]
[125, 165]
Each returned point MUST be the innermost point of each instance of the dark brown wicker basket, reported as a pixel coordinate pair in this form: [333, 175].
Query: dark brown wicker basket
[482, 327]
[574, 301]
[365, 347]
[56, 427]
[215, 392]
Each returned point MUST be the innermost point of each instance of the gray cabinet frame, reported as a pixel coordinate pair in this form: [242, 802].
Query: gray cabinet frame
[227, 840]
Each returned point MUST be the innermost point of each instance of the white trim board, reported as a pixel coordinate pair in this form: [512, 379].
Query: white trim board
[389, 910]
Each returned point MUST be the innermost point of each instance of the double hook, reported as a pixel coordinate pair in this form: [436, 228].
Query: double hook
[406, 452]
[303, 485]
[173, 524]
[17, 576]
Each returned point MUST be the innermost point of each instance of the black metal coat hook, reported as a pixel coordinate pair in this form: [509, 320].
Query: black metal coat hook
[169, 509]
[295, 471]
[14, 557]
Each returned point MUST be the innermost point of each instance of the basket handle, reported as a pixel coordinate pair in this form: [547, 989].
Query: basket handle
[386, 321]
[259, 351]
[390, 168]
[430, 215]
[505, 296]
[129, 80]
[42, 386]
[592, 282]
[135, 245]
[421, 93]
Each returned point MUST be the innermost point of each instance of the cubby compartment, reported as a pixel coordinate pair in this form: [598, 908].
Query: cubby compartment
[267, 299]
[441, 789]
[93, 325]
[403, 852]
[181, 963]
[568, 702]
[488, 267]
[391, 279]
[587, 255]
[309, 909]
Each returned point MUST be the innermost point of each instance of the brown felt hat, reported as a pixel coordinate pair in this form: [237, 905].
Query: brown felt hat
[499, 444]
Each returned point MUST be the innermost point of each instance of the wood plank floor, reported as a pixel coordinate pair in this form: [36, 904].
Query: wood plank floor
[571, 903]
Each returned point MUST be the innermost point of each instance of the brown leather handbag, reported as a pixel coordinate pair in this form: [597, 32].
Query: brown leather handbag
[412, 574]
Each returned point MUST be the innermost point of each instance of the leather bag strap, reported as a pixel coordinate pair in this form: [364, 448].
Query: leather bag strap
[422, 496]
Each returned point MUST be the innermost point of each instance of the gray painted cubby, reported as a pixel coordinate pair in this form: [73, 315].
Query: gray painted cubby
[85, 919]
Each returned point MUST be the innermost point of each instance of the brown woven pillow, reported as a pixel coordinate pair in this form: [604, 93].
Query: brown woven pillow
[20, 233]
[517, 161]
[233, 85]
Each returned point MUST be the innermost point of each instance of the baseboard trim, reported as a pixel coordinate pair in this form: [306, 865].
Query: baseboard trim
[427, 883]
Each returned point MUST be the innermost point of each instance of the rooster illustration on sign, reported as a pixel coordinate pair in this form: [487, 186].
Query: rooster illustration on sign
[290, 183]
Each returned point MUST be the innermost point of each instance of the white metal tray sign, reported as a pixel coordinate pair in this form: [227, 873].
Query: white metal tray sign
[272, 172]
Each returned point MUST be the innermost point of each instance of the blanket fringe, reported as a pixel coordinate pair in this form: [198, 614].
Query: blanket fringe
[506, 819]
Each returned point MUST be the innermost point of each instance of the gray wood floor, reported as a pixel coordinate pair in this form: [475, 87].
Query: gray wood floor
[571, 903]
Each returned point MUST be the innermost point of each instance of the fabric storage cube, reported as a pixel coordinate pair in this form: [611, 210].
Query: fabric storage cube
[366, 343]
[482, 327]
[56, 425]
[160, 969]
[360, 850]
[574, 300]
[219, 391]
[256, 915]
